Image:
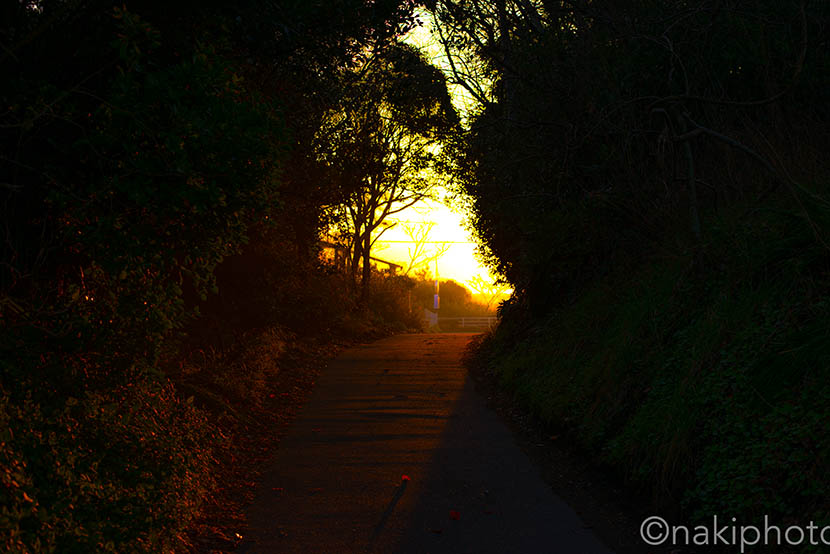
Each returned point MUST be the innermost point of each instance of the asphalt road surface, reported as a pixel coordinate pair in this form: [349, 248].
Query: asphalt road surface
[395, 452]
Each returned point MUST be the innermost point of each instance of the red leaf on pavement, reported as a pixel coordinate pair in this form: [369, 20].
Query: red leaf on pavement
[454, 514]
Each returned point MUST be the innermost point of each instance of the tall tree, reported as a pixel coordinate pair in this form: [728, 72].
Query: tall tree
[384, 144]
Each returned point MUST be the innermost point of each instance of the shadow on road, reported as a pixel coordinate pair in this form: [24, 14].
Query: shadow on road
[404, 406]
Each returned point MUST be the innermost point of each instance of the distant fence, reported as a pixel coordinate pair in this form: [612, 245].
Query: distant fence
[484, 322]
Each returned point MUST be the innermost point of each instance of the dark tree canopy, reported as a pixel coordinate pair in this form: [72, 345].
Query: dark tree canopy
[652, 179]
[161, 193]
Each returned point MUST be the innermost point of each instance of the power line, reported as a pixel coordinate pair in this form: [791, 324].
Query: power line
[429, 241]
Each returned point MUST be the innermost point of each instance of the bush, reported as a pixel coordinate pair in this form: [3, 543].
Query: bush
[118, 470]
[702, 379]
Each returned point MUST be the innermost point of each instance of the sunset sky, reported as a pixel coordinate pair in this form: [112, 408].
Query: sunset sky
[460, 262]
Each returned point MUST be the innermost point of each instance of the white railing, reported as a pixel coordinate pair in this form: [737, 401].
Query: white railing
[487, 322]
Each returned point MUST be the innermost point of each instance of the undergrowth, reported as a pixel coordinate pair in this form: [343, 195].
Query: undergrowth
[701, 377]
[94, 459]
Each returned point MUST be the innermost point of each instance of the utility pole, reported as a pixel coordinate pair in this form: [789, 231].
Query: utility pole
[436, 299]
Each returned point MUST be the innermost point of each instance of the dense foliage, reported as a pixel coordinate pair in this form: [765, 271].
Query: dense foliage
[651, 178]
[161, 196]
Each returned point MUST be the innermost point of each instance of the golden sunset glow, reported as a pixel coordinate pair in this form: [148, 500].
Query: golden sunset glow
[460, 261]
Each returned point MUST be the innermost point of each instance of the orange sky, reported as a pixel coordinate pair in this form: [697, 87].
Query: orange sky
[460, 262]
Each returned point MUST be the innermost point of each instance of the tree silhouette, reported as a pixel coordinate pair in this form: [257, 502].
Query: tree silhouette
[419, 257]
[384, 145]
[490, 291]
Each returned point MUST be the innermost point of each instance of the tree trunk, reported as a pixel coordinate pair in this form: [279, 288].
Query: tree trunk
[690, 176]
[367, 266]
[357, 242]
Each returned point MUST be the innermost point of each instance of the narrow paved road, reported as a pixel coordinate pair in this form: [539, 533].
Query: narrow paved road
[403, 406]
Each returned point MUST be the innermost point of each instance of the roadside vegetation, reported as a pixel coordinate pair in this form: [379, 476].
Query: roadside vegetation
[166, 173]
[652, 180]
[456, 302]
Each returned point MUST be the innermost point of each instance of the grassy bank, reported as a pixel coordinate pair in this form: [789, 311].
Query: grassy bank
[702, 377]
[161, 458]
